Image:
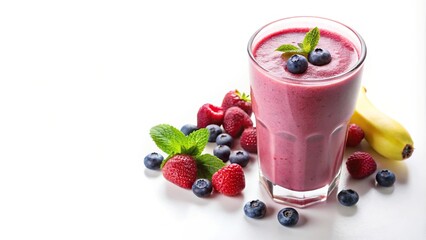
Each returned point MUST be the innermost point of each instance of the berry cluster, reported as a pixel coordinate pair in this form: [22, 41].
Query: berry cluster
[222, 125]
[360, 165]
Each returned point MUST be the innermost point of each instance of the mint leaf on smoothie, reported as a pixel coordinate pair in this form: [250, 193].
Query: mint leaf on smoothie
[311, 40]
[288, 48]
[305, 47]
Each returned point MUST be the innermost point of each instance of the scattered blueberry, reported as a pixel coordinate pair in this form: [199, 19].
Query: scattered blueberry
[214, 131]
[222, 152]
[297, 64]
[288, 216]
[240, 157]
[348, 197]
[188, 128]
[202, 187]
[319, 57]
[153, 160]
[224, 139]
[255, 209]
[385, 178]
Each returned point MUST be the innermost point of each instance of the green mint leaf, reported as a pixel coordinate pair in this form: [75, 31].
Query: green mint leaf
[300, 45]
[311, 40]
[198, 140]
[168, 138]
[287, 48]
[189, 150]
[207, 165]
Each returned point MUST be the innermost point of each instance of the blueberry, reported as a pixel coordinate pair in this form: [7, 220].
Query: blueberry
[385, 178]
[224, 139]
[188, 128]
[319, 57]
[222, 152]
[214, 131]
[297, 64]
[240, 157]
[202, 187]
[153, 160]
[255, 209]
[288, 216]
[348, 197]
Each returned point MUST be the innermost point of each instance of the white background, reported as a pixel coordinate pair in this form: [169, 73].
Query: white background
[82, 82]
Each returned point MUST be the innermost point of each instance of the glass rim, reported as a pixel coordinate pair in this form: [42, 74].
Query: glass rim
[358, 64]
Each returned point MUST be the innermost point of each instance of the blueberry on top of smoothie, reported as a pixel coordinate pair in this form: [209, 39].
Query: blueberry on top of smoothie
[297, 64]
[319, 57]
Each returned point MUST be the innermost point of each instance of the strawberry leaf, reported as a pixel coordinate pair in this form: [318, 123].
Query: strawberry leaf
[207, 165]
[168, 138]
[198, 140]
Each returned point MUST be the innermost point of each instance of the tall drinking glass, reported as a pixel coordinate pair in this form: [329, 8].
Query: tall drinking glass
[302, 119]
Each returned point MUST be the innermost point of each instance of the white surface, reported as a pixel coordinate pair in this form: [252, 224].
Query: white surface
[82, 82]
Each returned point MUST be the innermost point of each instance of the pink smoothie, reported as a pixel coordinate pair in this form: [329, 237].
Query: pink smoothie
[302, 119]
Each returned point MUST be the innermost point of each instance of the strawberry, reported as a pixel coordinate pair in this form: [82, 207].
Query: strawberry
[248, 140]
[229, 180]
[355, 135]
[235, 121]
[237, 99]
[361, 165]
[209, 114]
[181, 170]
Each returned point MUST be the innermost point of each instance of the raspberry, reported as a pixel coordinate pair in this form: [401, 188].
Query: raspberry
[229, 180]
[209, 114]
[361, 165]
[248, 140]
[355, 135]
[181, 170]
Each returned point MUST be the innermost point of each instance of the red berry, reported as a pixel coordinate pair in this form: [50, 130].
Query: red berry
[229, 180]
[237, 99]
[248, 140]
[235, 121]
[355, 135]
[361, 165]
[209, 114]
[181, 170]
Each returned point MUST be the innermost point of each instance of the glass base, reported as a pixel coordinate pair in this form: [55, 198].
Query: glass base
[299, 199]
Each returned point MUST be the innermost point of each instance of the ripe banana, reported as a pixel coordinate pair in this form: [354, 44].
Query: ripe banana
[385, 135]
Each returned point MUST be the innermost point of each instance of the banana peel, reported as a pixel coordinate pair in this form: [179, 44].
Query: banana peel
[384, 134]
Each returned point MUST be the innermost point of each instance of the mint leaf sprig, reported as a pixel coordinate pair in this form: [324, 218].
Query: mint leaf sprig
[172, 141]
[305, 47]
